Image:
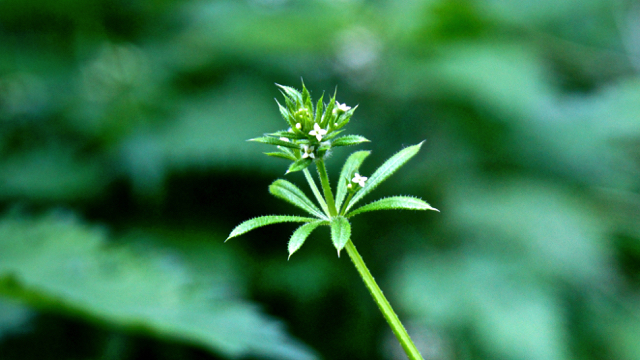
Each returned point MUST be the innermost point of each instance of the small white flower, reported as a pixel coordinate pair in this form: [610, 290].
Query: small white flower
[359, 179]
[307, 151]
[298, 126]
[341, 107]
[318, 132]
[284, 139]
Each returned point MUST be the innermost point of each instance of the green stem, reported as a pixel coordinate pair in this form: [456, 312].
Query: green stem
[346, 203]
[326, 187]
[316, 192]
[384, 306]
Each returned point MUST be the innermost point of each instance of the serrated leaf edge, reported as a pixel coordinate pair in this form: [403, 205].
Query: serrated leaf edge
[281, 219]
[365, 208]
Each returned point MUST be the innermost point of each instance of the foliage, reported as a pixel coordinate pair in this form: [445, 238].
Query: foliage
[309, 139]
[132, 117]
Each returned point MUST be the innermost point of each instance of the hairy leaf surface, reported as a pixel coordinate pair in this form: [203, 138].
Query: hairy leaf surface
[261, 221]
[273, 141]
[349, 140]
[281, 155]
[393, 203]
[387, 169]
[289, 192]
[300, 235]
[340, 232]
[300, 164]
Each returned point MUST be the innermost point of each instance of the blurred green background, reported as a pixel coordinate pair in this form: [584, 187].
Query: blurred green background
[124, 166]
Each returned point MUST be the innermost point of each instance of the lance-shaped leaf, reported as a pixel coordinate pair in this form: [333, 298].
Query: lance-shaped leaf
[286, 115]
[394, 203]
[288, 135]
[274, 141]
[306, 99]
[282, 155]
[261, 221]
[300, 235]
[328, 112]
[350, 166]
[291, 93]
[288, 192]
[300, 164]
[340, 232]
[387, 169]
[349, 140]
[331, 135]
[319, 107]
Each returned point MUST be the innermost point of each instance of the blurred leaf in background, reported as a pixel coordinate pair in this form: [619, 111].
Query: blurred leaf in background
[133, 118]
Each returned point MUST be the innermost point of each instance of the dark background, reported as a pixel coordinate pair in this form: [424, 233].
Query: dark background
[124, 166]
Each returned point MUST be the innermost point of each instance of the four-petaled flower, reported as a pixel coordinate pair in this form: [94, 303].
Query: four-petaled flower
[318, 132]
[359, 179]
[307, 151]
[341, 107]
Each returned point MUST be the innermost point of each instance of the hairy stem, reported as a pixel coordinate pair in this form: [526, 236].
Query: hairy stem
[326, 187]
[384, 306]
[316, 192]
[345, 204]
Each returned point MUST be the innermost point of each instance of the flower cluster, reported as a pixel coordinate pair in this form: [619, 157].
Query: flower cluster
[311, 135]
[313, 129]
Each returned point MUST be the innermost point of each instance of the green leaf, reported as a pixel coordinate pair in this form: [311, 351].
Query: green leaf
[288, 135]
[393, 203]
[300, 235]
[300, 164]
[328, 113]
[292, 93]
[281, 155]
[387, 169]
[331, 135]
[261, 221]
[351, 165]
[286, 115]
[274, 141]
[289, 192]
[306, 99]
[349, 140]
[340, 232]
[319, 106]
[61, 265]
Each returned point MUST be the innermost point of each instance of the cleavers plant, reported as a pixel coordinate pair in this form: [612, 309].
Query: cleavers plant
[312, 134]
